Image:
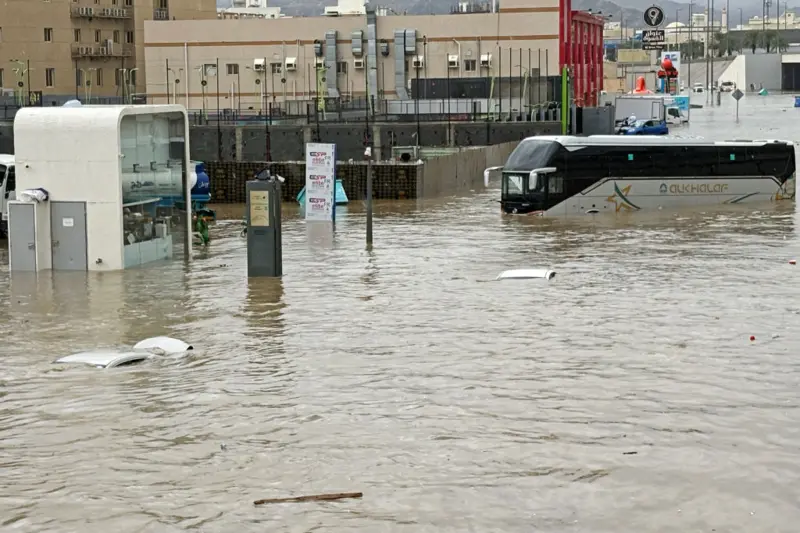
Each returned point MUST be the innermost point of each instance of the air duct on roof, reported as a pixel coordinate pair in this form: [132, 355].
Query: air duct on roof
[331, 79]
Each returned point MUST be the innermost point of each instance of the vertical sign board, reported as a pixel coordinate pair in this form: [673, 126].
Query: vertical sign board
[675, 57]
[320, 182]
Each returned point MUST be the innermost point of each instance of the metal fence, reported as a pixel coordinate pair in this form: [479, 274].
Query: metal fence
[347, 110]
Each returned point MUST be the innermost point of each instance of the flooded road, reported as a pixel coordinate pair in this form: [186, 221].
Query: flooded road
[624, 395]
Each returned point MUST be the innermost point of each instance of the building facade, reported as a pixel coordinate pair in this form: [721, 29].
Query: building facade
[250, 64]
[62, 48]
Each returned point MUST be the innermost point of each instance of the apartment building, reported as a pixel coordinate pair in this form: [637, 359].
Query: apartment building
[247, 63]
[81, 48]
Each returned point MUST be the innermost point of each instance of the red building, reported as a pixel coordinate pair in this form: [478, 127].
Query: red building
[581, 51]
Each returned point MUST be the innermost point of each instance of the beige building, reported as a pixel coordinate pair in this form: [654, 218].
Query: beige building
[68, 47]
[293, 59]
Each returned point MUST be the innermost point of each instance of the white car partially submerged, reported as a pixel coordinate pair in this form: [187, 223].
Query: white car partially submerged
[142, 351]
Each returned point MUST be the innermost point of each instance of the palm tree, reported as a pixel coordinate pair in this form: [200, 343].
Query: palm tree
[778, 42]
[763, 41]
[751, 40]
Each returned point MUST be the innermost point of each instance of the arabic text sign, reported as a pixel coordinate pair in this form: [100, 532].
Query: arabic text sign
[320, 182]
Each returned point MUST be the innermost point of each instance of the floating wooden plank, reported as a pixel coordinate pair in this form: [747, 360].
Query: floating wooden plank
[312, 498]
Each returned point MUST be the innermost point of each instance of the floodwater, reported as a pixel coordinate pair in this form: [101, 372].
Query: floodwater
[623, 395]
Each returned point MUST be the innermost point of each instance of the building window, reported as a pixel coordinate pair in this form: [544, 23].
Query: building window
[113, 2]
[98, 35]
[117, 77]
[48, 35]
[128, 3]
[129, 37]
[162, 4]
[50, 77]
[77, 35]
[1, 78]
[116, 36]
[99, 75]
[276, 67]
[470, 65]
[341, 67]
[209, 69]
[78, 78]
[1, 35]
[233, 68]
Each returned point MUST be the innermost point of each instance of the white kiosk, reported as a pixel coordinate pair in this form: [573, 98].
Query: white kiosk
[96, 187]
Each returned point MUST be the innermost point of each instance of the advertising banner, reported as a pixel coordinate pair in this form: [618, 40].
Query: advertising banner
[320, 194]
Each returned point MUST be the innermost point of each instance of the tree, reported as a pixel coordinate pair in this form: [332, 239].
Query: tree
[692, 49]
[777, 41]
[751, 40]
[763, 41]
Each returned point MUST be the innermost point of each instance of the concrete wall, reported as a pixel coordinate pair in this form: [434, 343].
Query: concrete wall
[736, 72]
[763, 69]
[461, 172]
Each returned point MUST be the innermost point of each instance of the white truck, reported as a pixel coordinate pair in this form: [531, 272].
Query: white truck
[642, 106]
[8, 183]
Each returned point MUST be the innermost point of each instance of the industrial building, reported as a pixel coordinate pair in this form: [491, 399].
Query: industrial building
[56, 49]
[251, 64]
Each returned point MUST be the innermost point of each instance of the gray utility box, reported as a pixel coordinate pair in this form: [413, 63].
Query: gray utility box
[264, 246]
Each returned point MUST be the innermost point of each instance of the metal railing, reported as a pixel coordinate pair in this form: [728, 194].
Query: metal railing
[80, 51]
[358, 110]
[101, 12]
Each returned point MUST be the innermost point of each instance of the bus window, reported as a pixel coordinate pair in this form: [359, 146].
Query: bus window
[2, 175]
[555, 185]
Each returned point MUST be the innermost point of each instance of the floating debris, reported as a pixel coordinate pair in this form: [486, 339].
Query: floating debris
[312, 498]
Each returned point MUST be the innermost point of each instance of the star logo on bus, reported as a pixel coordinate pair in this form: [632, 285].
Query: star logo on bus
[620, 199]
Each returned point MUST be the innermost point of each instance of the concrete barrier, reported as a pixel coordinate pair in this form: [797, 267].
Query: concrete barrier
[460, 172]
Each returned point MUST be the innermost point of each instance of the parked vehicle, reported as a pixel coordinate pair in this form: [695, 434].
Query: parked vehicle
[7, 190]
[727, 86]
[646, 127]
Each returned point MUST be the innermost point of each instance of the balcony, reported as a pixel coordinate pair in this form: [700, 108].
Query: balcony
[160, 14]
[101, 52]
[101, 12]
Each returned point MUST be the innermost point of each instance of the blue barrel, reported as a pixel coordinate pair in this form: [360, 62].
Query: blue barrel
[797, 101]
[203, 185]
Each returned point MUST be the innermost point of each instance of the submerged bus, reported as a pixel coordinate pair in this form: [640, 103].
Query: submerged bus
[565, 175]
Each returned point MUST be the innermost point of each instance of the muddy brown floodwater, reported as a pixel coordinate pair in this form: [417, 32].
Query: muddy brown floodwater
[624, 395]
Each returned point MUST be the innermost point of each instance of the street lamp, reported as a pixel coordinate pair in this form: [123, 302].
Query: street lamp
[677, 27]
[131, 84]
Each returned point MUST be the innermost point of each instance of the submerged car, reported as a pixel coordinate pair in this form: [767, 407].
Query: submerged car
[646, 127]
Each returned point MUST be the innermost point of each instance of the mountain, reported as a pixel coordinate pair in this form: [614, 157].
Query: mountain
[632, 11]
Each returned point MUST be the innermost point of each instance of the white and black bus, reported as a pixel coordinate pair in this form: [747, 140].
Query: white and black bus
[564, 175]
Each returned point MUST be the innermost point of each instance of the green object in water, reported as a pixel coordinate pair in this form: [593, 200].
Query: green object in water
[201, 228]
[763, 92]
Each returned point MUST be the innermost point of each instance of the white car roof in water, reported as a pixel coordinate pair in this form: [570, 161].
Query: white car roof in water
[569, 141]
[105, 359]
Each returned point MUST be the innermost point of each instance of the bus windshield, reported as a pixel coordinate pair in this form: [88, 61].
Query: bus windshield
[531, 154]
[2, 175]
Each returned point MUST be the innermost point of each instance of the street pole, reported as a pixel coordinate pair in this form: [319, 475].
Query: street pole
[711, 29]
[691, 53]
[28, 73]
[219, 127]
[368, 155]
[706, 48]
